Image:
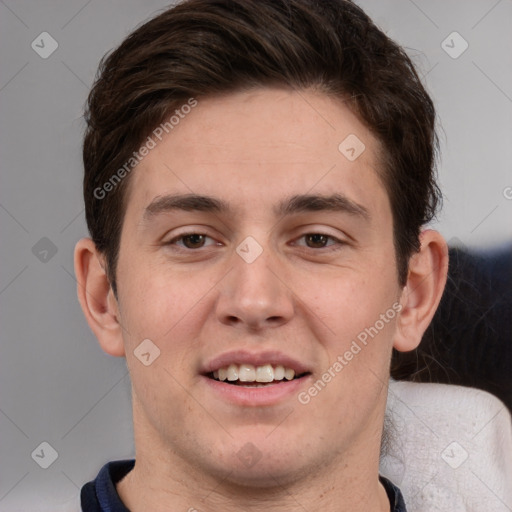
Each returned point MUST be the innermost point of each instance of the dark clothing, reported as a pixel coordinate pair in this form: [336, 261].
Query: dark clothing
[469, 342]
[100, 495]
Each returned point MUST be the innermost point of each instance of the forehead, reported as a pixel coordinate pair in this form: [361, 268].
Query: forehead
[261, 144]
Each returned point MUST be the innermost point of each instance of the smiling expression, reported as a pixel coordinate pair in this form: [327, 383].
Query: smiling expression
[252, 246]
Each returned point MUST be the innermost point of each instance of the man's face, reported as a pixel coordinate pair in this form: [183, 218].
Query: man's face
[263, 272]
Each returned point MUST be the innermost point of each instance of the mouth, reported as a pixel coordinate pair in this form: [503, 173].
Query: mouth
[255, 379]
[250, 376]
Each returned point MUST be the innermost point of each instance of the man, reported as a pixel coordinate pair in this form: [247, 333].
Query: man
[257, 175]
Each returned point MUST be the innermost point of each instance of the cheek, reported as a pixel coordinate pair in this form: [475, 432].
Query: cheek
[357, 346]
[168, 311]
[354, 299]
[355, 316]
[156, 303]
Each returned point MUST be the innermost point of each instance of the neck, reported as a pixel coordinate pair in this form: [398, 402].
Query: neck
[142, 490]
[162, 481]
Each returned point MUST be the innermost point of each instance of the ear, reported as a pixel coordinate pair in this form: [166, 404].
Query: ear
[422, 293]
[97, 299]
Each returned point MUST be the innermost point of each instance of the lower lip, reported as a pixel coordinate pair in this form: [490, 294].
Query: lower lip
[270, 394]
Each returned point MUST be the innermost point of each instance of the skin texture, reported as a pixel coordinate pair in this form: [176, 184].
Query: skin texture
[254, 150]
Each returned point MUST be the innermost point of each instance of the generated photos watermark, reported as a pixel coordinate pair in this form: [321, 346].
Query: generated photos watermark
[145, 148]
[357, 345]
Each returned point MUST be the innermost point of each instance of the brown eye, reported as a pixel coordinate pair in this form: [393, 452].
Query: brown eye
[194, 241]
[191, 241]
[316, 240]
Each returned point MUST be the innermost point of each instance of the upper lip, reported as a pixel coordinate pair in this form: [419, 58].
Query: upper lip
[274, 358]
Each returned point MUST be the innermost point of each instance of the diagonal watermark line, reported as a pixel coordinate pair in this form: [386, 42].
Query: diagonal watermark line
[217, 486]
[482, 221]
[196, 303]
[492, 81]
[15, 75]
[410, 292]
[431, 69]
[288, 492]
[414, 414]
[13, 279]
[75, 15]
[321, 178]
[279, 424]
[95, 404]
[76, 76]
[13, 13]
[486, 14]
[307, 192]
[13, 218]
[396, 397]
[303, 304]
[497, 497]
[14, 423]
[312, 107]
[77, 486]
[72, 220]
[70, 274]
[12, 488]
[424, 13]
[488, 422]
[192, 192]
[484, 314]
[197, 401]
[427, 484]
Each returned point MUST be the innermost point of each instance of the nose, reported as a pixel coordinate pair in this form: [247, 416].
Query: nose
[253, 296]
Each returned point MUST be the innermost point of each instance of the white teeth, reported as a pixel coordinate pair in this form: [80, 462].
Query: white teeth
[249, 373]
[232, 372]
[265, 373]
[279, 372]
[289, 374]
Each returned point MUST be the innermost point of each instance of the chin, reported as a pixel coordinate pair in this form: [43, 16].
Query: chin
[265, 474]
[261, 463]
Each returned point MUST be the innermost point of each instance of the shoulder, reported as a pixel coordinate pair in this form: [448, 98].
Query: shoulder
[100, 494]
[447, 447]
[396, 499]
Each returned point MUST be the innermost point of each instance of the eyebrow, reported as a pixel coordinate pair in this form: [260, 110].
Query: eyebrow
[290, 206]
[314, 203]
[185, 202]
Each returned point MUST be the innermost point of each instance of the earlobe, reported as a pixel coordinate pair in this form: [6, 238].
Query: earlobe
[97, 299]
[428, 270]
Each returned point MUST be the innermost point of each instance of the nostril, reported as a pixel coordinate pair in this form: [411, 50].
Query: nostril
[232, 320]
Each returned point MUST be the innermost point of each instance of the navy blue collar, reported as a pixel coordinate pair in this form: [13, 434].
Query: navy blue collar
[101, 495]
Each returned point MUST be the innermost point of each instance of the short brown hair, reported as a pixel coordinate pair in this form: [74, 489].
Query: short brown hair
[203, 47]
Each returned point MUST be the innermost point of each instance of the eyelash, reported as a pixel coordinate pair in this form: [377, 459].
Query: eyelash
[185, 235]
[337, 242]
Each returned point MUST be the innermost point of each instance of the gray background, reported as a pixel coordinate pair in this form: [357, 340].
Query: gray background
[56, 383]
